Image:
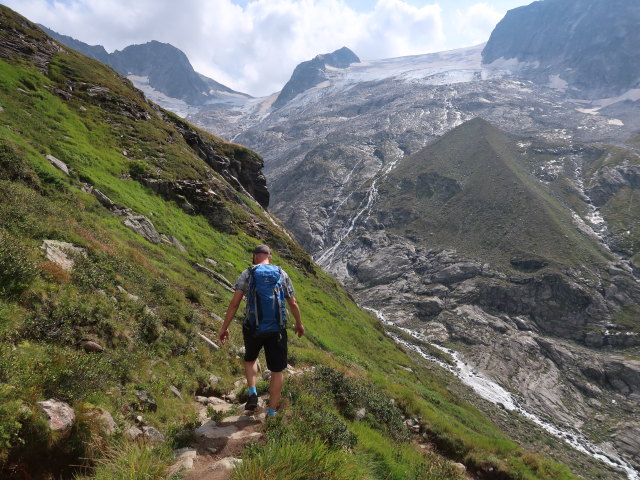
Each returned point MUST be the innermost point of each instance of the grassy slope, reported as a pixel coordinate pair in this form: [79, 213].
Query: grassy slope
[151, 343]
[499, 212]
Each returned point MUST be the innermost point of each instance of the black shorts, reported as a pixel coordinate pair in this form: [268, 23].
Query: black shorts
[275, 349]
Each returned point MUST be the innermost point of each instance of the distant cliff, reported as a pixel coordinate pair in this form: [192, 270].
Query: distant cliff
[594, 45]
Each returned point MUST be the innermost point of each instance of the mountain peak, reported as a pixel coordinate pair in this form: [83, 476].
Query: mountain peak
[312, 72]
[573, 41]
[167, 68]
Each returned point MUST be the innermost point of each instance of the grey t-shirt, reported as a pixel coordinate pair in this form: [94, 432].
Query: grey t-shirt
[243, 283]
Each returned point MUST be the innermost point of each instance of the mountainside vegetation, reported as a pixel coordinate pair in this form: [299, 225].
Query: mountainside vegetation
[158, 219]
[469, 191]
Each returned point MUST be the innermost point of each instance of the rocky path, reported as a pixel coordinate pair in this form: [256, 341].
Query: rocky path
[219, 444]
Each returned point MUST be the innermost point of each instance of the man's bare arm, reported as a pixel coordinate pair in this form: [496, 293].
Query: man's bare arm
[295, 310]
[228, 317]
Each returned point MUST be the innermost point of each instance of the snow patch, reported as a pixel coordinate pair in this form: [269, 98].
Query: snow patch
[177, 106]
[615, 121]
[558, 83]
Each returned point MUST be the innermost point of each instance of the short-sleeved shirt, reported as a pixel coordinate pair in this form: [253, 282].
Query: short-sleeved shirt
[243, 283]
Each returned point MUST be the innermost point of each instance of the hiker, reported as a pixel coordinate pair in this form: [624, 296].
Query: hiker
[267, 287]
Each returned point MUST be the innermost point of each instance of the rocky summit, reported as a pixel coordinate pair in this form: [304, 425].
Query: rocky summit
[590, 45]
[161, 70]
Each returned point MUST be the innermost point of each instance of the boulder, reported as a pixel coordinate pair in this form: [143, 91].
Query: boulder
[133, 433]
[62, 253]
[103, 199]
[104, 419]
[59, 164]
[60, 414]
[360, 413]
[146, 402]
[143, 226]
[91, 346]
[152, 435]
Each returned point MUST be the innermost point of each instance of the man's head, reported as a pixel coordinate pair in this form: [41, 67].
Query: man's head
[261, 254]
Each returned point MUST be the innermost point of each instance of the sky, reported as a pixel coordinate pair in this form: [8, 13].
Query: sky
[253, 46]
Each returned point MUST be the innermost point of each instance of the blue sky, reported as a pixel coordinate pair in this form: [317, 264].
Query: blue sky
[254, 45]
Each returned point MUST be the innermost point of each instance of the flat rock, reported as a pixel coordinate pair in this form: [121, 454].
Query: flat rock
[62, 253]
[211, 431]
[59, 164]
[184, 460]
[60, 414]
[143, 226]
[240, 421]
[176, 392]
[227, 464]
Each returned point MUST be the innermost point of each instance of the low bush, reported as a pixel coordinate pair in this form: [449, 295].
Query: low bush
[350, 394]
[17, 270]
[14, 166]
[67, 316]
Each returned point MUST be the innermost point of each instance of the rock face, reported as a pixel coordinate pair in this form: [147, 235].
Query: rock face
[243, 169]
[142, 226]
[313, 72]
[575, 41]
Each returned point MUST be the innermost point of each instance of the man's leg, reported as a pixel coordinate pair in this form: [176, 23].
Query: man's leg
[251, 372]
[275, 389]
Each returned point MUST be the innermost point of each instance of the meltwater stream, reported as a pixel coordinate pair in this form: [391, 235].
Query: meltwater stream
[497, 395]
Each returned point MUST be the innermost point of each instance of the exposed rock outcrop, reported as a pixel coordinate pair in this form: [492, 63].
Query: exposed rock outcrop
[310, 73]
[60, 414]
[63, 253]
[240, 167]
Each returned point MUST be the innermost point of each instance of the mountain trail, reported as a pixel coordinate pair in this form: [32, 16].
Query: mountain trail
[219, 445]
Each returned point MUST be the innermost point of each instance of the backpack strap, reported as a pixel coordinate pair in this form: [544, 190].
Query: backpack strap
[280, 295]
[253, 297]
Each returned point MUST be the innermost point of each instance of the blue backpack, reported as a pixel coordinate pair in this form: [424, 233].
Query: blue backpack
[266, 313]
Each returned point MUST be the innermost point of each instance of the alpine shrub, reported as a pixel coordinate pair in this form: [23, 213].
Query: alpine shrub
[350, 394]
[17, 271]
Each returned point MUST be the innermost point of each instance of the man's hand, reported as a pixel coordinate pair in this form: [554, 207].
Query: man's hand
[299, 329]
[223, 336]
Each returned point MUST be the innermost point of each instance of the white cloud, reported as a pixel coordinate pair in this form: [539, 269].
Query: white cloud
[475, 24]
[253, 48]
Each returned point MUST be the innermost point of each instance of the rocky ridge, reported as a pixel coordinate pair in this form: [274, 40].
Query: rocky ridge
[160, 69]
[590, 45]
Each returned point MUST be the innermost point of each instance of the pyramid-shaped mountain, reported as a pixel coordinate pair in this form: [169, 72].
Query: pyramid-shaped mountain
[468, 190]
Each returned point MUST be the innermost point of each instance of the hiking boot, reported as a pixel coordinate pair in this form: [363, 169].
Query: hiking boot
[252, 403]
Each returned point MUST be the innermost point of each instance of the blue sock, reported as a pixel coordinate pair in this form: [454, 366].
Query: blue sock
[271, 412]
[253, 391]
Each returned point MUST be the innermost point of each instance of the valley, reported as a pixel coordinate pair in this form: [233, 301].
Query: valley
[480, 203]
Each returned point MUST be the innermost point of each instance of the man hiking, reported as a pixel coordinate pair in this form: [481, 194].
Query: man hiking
[267, 287]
